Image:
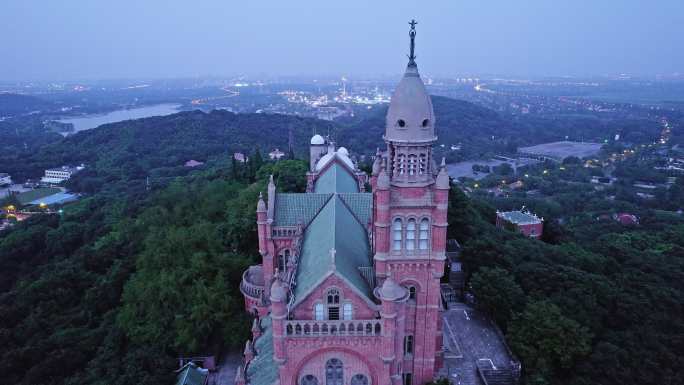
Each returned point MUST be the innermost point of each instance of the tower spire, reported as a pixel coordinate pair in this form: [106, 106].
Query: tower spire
[412, 35]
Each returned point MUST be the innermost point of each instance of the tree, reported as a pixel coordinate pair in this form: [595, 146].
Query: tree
[497, 293]
[546, 340]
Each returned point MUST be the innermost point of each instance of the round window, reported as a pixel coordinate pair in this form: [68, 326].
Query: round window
[426, 122]
[401, 123]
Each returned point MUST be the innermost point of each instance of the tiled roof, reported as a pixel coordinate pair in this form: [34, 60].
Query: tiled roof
[336, 179]
[262, 370]
[361, 205]
[519, 217]
[292, 209]
[335, 227]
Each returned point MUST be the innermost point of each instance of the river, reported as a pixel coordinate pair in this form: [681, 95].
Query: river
[86, 122]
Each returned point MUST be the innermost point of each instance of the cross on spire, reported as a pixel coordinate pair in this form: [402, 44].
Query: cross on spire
[412, 35]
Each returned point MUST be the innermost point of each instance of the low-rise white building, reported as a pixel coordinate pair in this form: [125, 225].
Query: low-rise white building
[60, 174]
[5, 179]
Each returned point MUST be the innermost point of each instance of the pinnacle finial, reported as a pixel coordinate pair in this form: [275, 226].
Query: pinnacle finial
[332, 257]
[412, 35]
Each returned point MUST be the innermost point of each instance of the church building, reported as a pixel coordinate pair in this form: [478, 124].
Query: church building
[348, 291]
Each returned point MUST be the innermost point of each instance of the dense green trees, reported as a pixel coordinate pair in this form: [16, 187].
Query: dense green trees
[497, 292]
[603, 303]
[113, 290]
[547, 341]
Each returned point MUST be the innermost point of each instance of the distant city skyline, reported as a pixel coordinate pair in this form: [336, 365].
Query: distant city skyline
[80, 39]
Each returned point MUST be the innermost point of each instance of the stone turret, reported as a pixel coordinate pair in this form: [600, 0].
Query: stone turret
[392, 297]
[316, 150]
[278, 316]
[410, 129]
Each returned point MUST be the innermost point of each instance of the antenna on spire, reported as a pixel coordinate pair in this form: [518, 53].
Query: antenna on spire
[412, 35]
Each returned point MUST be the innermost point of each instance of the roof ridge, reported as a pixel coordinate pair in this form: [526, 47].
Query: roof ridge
[346, 204]
[320, 208]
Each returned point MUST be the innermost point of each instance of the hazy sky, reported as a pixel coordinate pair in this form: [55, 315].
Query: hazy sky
[86, 39]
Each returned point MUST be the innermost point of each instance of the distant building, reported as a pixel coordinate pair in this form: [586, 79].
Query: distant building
[5, 179]
[626, 219]
[276, 154]
[60, 174]
[557, 151]
[193, 163]
[522, 221]
[240, 157]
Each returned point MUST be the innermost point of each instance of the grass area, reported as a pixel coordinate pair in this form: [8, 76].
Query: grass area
[30, 196]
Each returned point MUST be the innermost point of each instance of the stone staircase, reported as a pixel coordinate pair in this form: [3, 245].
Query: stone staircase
[497, 377]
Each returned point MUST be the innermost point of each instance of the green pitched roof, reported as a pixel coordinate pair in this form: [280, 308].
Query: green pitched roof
[335, 227]
[191, 375]
[336, 179]
[262, 370]
[361, 205]
[292, 209]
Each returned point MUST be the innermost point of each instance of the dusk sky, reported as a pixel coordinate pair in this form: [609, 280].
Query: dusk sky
[92, 39]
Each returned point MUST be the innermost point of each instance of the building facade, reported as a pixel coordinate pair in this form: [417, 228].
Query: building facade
[521, 221]
[60, 174]
[348, 289]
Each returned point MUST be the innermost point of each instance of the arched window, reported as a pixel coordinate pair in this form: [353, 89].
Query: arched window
[424, 234]
[412, 164]
[309, 379]
[412, 292]
[319, 312]
[408, 345]
[411, 234]
[347, 311]
[333, 296]
[396, 234]
[422, 164]
[333, 304]
[401, 163]
[283, 257]
[333, 372]
[359, 379]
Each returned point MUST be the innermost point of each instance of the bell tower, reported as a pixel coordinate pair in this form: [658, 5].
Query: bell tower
[410, 220]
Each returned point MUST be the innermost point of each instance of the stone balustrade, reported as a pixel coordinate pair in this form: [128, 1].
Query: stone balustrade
[285, 232]
[317, 328]
[250, 289]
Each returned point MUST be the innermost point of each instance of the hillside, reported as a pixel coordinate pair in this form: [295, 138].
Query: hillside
[14, 104]
[457, 122]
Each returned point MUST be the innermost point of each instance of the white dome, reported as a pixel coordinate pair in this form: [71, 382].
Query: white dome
[343, 151]
[391, 291]
[341, 155]
[317, 140]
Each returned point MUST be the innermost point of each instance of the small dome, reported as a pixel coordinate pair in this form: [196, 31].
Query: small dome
[343, 151]
[391, 291]
[317, 140]
[278, 293]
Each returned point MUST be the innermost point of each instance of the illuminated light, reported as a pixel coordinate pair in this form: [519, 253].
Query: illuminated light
[476, 185]
[42, 205]
[562, 168]
[527, 175]
[546, 171]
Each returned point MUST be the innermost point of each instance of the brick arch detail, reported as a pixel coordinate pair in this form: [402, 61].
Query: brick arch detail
[300, 365]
